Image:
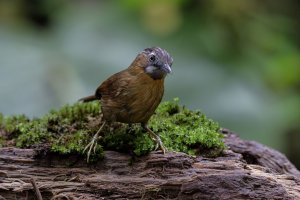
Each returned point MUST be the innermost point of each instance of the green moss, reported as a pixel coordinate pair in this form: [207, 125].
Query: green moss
[32, 133]
[186, 131]
[70, 129]
[10, 123]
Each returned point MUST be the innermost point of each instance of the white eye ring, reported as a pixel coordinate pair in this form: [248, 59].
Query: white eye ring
[152, 58]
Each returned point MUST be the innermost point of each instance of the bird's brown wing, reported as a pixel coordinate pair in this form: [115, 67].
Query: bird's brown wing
[111, 87]
[114, 85]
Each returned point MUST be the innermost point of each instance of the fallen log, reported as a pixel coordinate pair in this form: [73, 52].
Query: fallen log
[246, 170]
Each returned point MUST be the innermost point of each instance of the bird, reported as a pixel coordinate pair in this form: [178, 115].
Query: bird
[133, 94]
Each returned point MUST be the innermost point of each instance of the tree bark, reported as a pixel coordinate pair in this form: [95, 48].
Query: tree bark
[247, 170]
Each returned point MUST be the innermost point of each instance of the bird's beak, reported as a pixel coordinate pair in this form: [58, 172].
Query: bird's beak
[166, 68]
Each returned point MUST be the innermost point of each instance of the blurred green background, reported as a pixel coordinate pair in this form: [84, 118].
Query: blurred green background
[237, 61]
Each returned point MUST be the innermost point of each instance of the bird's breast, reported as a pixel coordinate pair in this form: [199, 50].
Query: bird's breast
[145, 96]
[136, 102]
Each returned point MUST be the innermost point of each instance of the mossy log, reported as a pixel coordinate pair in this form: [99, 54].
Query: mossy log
[246, 170]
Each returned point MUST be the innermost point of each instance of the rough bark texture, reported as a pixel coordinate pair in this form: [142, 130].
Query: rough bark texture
[247, 170]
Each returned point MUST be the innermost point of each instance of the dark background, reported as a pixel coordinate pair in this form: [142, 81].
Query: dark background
[237, 61]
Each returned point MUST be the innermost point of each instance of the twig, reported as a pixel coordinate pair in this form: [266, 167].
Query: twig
[36, 189]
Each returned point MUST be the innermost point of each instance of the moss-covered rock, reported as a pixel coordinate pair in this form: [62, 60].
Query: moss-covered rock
[69, 130]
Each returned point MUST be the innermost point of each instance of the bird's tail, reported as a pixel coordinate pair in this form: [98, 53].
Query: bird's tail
[88, 98]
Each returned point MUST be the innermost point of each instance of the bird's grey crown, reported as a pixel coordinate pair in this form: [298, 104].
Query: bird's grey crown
[162, 55]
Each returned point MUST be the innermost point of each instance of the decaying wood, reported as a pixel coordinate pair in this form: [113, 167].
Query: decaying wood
[36, 189]
[247, 170]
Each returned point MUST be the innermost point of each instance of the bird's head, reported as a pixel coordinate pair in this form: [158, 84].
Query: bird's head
[156, 62]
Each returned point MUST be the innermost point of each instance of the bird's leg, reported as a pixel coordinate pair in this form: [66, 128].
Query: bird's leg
[130, 128]
[155, 138]
[93, 143]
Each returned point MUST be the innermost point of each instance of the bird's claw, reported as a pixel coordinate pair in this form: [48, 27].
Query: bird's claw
[158, 144]
[91, 146]
[161, 146]
[93, 143]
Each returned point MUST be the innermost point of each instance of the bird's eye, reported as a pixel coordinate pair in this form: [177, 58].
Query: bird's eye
[152, 58]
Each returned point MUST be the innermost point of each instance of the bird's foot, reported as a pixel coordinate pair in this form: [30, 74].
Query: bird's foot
[92, 146]
[160, 145]
[155, 138]
[93, 143]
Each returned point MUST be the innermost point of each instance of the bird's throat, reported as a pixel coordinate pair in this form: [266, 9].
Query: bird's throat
[154, 72]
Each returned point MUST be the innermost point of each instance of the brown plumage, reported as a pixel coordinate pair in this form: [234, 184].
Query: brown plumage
[132, 95]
